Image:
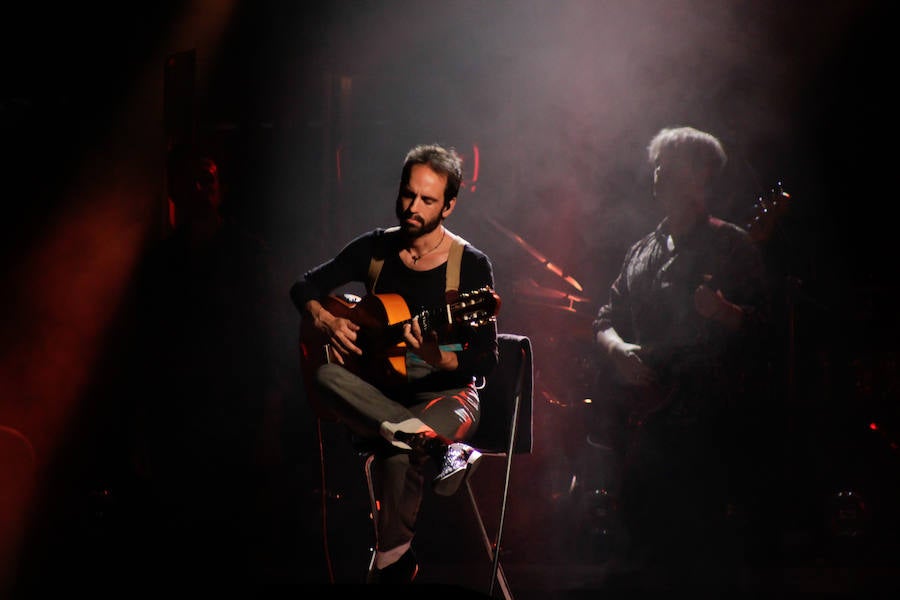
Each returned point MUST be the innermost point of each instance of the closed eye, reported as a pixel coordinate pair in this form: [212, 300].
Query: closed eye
[411, 195]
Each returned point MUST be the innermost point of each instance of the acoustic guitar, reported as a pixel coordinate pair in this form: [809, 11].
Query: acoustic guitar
[381, 318]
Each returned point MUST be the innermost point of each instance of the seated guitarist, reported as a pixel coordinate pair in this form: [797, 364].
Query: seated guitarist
[434, 407]
[683, 333]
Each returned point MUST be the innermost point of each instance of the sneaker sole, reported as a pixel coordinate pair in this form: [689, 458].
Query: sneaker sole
[472, 464]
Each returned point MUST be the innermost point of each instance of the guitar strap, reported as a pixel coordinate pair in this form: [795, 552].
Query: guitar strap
[377, 261]
[457, 245]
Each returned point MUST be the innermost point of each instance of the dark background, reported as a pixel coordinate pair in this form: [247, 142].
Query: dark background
[310, 109]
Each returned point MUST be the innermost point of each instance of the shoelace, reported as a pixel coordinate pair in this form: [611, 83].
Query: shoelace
[454, 454]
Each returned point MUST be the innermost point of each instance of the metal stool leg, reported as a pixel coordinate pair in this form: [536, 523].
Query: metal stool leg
[492, 552]
[373, 501]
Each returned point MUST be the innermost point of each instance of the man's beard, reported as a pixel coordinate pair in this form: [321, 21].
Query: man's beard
[415, 231]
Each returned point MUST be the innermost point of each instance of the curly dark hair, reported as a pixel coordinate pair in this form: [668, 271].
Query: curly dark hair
[700, 147]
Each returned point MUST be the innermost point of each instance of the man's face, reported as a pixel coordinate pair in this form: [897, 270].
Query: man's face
[198, 191]
[679, 186]
[420, 204]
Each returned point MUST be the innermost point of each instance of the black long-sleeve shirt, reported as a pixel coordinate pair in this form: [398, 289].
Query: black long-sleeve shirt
[651, 303]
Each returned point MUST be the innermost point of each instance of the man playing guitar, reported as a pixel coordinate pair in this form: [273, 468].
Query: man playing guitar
[411, 394]
[683, 332]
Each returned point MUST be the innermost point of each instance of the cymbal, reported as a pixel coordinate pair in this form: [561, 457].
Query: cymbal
[562, 308]
[556, 269]
[559, 322]
[529, 287]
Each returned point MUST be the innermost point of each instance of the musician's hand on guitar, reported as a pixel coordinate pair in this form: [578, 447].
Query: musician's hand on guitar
[707, 301]
[712, 304]
[629, 366]
[424, 345]
[341, 334]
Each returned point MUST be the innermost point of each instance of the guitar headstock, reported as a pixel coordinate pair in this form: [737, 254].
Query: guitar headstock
[475, 308]
[767, 211]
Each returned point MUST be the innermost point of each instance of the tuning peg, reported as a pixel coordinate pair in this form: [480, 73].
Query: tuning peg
[780, 198]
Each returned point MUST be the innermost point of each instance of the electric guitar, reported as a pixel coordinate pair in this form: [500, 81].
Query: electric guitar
[640, 404]
[381, 318]
[643, 403]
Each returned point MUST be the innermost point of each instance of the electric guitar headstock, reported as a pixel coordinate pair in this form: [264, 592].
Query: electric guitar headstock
[768, 210]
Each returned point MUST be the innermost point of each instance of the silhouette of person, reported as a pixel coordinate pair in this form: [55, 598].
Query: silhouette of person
[210, 367]
[684, 336]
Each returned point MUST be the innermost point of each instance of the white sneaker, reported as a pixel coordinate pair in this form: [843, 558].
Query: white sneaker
[458, 464]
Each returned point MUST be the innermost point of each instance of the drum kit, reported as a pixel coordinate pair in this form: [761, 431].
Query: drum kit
[559, 322]
[529, 290]
[580, 474]
[548, 301]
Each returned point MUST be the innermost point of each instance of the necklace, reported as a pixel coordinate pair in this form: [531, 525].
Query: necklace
[416, 259]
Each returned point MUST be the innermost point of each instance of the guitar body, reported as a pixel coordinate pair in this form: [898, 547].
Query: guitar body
[644, 402]
[626, 413]
[383, 361]
[381, 318]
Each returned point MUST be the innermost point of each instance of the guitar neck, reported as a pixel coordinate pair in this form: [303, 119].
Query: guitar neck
[434, 318]
[472, 309]
[430, 319]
